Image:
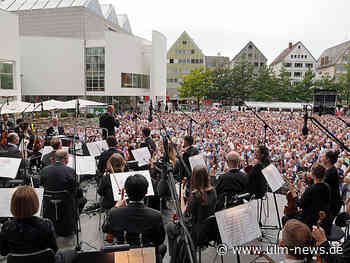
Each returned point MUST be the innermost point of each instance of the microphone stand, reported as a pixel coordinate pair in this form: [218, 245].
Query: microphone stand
[346, 123]
[322, 128]
[265, 125]
[279, 227]
[191, 121]
[171, 183]
[76, 180]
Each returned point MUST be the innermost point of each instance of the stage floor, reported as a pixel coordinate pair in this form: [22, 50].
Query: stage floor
[92, 236]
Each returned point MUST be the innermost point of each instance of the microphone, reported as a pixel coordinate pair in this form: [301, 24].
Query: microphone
[305, 130]
[150, 112]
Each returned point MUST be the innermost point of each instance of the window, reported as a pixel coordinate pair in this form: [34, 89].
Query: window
[305, 56]
[250, 47]
[309, 65]
[299, 47]
[298, 56]
[6, 75]
[287, 65]
[192, 51]
[184, 42]
[291, 56]
[261, 64]
[138, 81]
[297, 74]
[341, 68]
[201, 61]
[250, 55]
[298, 65]
[171, 61]
[256, 64]
[95, 69]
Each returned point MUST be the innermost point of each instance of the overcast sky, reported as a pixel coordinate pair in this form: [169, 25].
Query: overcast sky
[226, 26]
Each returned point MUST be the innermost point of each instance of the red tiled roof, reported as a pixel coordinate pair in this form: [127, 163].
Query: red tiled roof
[284, 53]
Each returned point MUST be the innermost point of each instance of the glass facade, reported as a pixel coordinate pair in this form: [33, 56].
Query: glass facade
[138, 81]
[95, 69]
[6, 75]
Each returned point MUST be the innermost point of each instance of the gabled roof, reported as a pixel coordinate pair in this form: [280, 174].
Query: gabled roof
[284, 53]
[124, 23]
[16, 5]
[188, 36]
[243, 49]
[334, 53]
[109, 13]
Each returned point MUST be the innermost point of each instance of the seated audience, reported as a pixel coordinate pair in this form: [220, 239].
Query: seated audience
[26, 233]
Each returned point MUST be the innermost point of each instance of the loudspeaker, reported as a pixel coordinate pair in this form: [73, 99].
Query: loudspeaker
[325, 101]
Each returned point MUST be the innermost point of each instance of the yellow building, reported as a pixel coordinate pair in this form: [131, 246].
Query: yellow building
[183, 56]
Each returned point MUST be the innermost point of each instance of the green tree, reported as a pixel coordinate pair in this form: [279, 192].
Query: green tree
[284, 88]
[197, 84]
[265, 85]
[303, 89]
[242, 81]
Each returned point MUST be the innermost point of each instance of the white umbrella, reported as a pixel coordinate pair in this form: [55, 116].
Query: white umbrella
[53, 105]
[82, 104]
[17, 107]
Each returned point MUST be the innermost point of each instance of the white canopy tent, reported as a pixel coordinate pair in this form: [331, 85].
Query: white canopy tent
[53, 105]
[277, 105]
[72, 104]
[17, 107]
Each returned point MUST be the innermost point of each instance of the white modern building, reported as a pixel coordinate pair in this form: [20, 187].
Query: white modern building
[296, 60]
[10, 66]
[80, 48]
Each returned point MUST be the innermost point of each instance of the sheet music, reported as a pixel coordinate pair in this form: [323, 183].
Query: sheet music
[118, 182]
[273, 177]
[93, 149]
[85, 164]
[102, 145]
[136, 255]
[48, 149]
[142, 156]
[6, 195]
[9, 167]
[197, 160]
[238, 225]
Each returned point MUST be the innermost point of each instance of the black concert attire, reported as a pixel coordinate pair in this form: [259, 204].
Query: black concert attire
[29, 235]
[228, 185]
[332, 179]
[179, 168]
[54, 131]
[195, 214]
[257, 184]
[9, 124]
[59, 177]
[331, 257]
[102, 163]
[150, 144]
[135, 219]
[316, 198]
[48, 159]
[106, 192]
[107, 121]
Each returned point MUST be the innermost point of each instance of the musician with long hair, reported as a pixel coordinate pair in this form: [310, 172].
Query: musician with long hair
[115, 164]
[27, 233]
[200, 206]
[257, 184]
[316, 198]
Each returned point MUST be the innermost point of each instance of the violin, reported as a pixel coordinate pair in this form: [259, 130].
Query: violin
[110, 237]
[322, 216]
[291, 207]
[4, 133]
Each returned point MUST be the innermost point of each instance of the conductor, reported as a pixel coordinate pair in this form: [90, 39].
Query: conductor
[108, 122]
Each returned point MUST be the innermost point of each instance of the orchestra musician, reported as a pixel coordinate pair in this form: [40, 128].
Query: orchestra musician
[135, 218]
[316, 198]
[50, 158]
[27, 233]
[115, 164]
[6, 124]
[148, 142]
[232, 182]
[201, 205]
[54, 129]
[257, 184]
[108, 121]
[112, 144]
